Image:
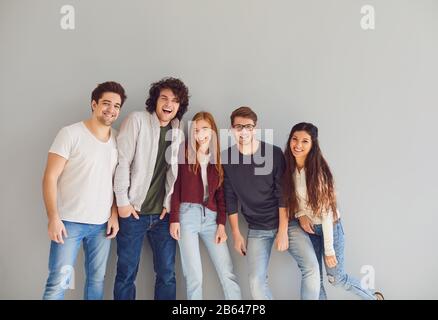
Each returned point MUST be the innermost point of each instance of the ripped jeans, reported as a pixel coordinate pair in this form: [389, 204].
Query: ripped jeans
[337, 275]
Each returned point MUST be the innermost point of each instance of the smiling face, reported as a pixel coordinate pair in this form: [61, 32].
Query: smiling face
[167, 106]
[202, 133]
[107, 109]
[300, 145]
[243, 129]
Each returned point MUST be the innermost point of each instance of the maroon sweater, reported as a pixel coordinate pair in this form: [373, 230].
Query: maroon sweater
[189, 188]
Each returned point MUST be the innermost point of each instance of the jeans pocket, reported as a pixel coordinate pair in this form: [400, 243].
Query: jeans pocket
[126, 219]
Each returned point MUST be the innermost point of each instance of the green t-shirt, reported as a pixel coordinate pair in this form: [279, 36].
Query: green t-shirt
[153, 204]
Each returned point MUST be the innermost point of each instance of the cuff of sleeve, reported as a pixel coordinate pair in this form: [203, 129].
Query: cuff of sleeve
[174, 217]
[221, 219]
[166, 204]
[231, 209]
[300, 214]
[329, 252]
[122, 200]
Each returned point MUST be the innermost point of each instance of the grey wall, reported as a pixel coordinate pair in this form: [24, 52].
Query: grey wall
[373, 95]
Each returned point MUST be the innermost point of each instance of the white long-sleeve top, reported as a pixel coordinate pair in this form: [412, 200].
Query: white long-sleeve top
[326, 218]
[203, 161]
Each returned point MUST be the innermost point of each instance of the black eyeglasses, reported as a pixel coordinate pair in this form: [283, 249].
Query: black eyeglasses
[240, 127]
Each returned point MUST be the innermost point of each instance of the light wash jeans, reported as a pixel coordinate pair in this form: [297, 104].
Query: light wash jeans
[259, 246]
[337, 275]
[63, 257]
[197, 221]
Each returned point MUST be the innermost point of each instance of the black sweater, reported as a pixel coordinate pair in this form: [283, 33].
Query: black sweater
[254, 181]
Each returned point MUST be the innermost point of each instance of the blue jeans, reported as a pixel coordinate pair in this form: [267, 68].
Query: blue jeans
[337, 275]
[197, 221]
[63, 257]
[129, 243]
[259, 246]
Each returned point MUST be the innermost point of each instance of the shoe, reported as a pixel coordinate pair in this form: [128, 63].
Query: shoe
[379, 295]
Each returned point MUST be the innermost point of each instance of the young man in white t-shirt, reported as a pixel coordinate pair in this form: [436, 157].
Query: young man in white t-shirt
[78, 194]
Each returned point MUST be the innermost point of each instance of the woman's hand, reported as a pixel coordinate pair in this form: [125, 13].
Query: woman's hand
[306, 224]
[221, 235]
[331, 261]
[175, 230]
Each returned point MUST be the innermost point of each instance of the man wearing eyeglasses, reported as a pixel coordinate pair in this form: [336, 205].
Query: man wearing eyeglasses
[253, 173]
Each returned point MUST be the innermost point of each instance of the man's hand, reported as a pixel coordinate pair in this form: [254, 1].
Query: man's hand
[56, 230]
[221, 235]
[175, 230]
[163, 213]
[126, 211]
[282, 241]
[112, 226]
[239, 243]
[306, 224]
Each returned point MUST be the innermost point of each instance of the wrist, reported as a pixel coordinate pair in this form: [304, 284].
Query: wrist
[54, 218]
[236, 233]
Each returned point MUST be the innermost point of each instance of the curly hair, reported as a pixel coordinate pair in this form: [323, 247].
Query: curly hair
[178, 88]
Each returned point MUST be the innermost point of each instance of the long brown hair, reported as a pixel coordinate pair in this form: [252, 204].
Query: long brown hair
[214, 147]
[319, 179]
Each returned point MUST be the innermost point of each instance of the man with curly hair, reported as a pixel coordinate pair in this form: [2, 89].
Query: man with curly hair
[143, 185]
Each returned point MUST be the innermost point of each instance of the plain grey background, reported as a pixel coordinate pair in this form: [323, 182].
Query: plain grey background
[373, 95]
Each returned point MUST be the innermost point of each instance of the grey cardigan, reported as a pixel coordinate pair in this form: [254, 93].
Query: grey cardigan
[137, 143]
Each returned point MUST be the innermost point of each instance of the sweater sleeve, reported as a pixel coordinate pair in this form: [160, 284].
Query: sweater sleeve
[327, 231]
[176, 197]
[126, 145]
[279, 170]
[220, 202]
[230, 195]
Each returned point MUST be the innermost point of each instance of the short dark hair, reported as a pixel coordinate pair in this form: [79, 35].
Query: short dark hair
[109, 86]
[244, 112]
[178, 88]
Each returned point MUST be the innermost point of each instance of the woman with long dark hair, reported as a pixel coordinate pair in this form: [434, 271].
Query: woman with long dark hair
[309, 194]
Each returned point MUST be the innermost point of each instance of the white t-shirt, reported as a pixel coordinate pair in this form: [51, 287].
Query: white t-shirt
[85, 187]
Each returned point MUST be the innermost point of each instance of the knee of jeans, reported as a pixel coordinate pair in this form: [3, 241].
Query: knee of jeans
[256, 281]
[194, 279]
[226, 273]
[60, 280]
[97, 276]
[310, 271]
[166, 277]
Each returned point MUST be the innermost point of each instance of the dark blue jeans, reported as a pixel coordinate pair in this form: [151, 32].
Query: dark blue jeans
[129, 244]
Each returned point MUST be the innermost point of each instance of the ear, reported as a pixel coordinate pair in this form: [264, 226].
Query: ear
[93, 105]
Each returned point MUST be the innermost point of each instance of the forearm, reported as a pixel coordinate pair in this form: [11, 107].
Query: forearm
[283, 220]
[114, 211]
[50, 197]
[234, 223]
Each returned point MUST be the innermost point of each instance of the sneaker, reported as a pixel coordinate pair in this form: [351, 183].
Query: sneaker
[379, 295]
